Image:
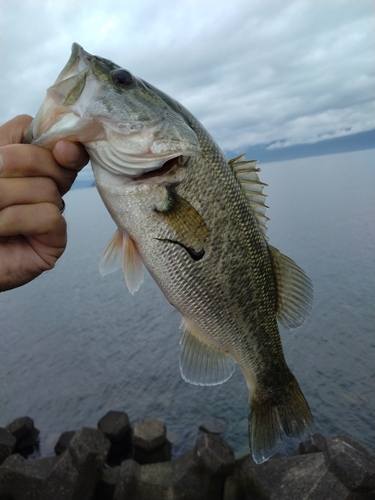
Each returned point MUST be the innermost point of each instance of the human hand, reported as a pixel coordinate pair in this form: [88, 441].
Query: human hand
[32, 183]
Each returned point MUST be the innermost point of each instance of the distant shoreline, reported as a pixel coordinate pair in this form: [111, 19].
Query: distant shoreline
[265, 156]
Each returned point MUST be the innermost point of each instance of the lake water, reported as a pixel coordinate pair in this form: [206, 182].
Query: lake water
[75, 345]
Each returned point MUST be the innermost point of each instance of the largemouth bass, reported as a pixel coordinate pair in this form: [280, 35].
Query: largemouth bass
[197, 222]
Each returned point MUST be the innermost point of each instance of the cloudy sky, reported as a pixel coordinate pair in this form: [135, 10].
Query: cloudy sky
[256, 72]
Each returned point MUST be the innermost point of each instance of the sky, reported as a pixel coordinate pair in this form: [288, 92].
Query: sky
[267, 76]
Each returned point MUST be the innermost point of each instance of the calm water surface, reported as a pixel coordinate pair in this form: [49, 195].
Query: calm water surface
[74, 345]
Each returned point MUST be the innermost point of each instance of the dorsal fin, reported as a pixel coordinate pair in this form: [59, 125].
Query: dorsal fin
[294, 291]
[246, 175]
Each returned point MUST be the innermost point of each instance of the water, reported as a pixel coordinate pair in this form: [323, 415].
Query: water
[75, 345]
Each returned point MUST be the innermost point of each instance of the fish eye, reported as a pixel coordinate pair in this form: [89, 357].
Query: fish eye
[122, 78]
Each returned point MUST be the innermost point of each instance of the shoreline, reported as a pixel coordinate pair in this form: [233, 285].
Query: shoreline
[117, 461]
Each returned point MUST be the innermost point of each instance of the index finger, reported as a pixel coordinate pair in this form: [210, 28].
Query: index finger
[13, 131]
[27, 160]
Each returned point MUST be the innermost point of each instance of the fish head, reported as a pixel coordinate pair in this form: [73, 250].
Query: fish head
[125, 124]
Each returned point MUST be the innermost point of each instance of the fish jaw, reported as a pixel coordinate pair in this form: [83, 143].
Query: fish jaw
[85, 105]
[55, 121]
[56, 118]
[78, 61]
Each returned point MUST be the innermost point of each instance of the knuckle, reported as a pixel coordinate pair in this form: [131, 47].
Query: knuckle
[18, 160]
[53, 214]
[50, 190]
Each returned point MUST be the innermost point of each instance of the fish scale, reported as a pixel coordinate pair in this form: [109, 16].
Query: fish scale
[197, 222]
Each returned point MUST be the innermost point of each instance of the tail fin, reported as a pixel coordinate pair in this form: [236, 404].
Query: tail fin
[270, 416]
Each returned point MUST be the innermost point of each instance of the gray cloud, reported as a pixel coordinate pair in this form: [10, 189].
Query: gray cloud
[259, 72]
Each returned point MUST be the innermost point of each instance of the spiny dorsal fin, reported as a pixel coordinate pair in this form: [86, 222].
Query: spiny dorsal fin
[294, 291]
[121, 250]
[202, 363]
[246, 174]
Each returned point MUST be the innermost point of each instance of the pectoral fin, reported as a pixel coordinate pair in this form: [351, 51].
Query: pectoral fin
[294, 291]
[121, 250]
[202, 363]
[132, 265]
[111, 257]
[190, 230]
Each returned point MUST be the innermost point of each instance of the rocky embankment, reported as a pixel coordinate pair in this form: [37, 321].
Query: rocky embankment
[117, 462]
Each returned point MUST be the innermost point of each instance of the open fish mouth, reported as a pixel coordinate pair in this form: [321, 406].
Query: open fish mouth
[164, 169]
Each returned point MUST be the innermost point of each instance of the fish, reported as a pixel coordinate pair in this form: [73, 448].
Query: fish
[197, 222]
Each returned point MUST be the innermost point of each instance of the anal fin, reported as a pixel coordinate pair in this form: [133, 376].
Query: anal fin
[202, 363]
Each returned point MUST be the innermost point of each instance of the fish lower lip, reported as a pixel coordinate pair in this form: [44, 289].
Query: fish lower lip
[165, 168]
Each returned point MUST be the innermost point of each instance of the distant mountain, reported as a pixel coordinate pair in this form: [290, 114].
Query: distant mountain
[353, 142]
